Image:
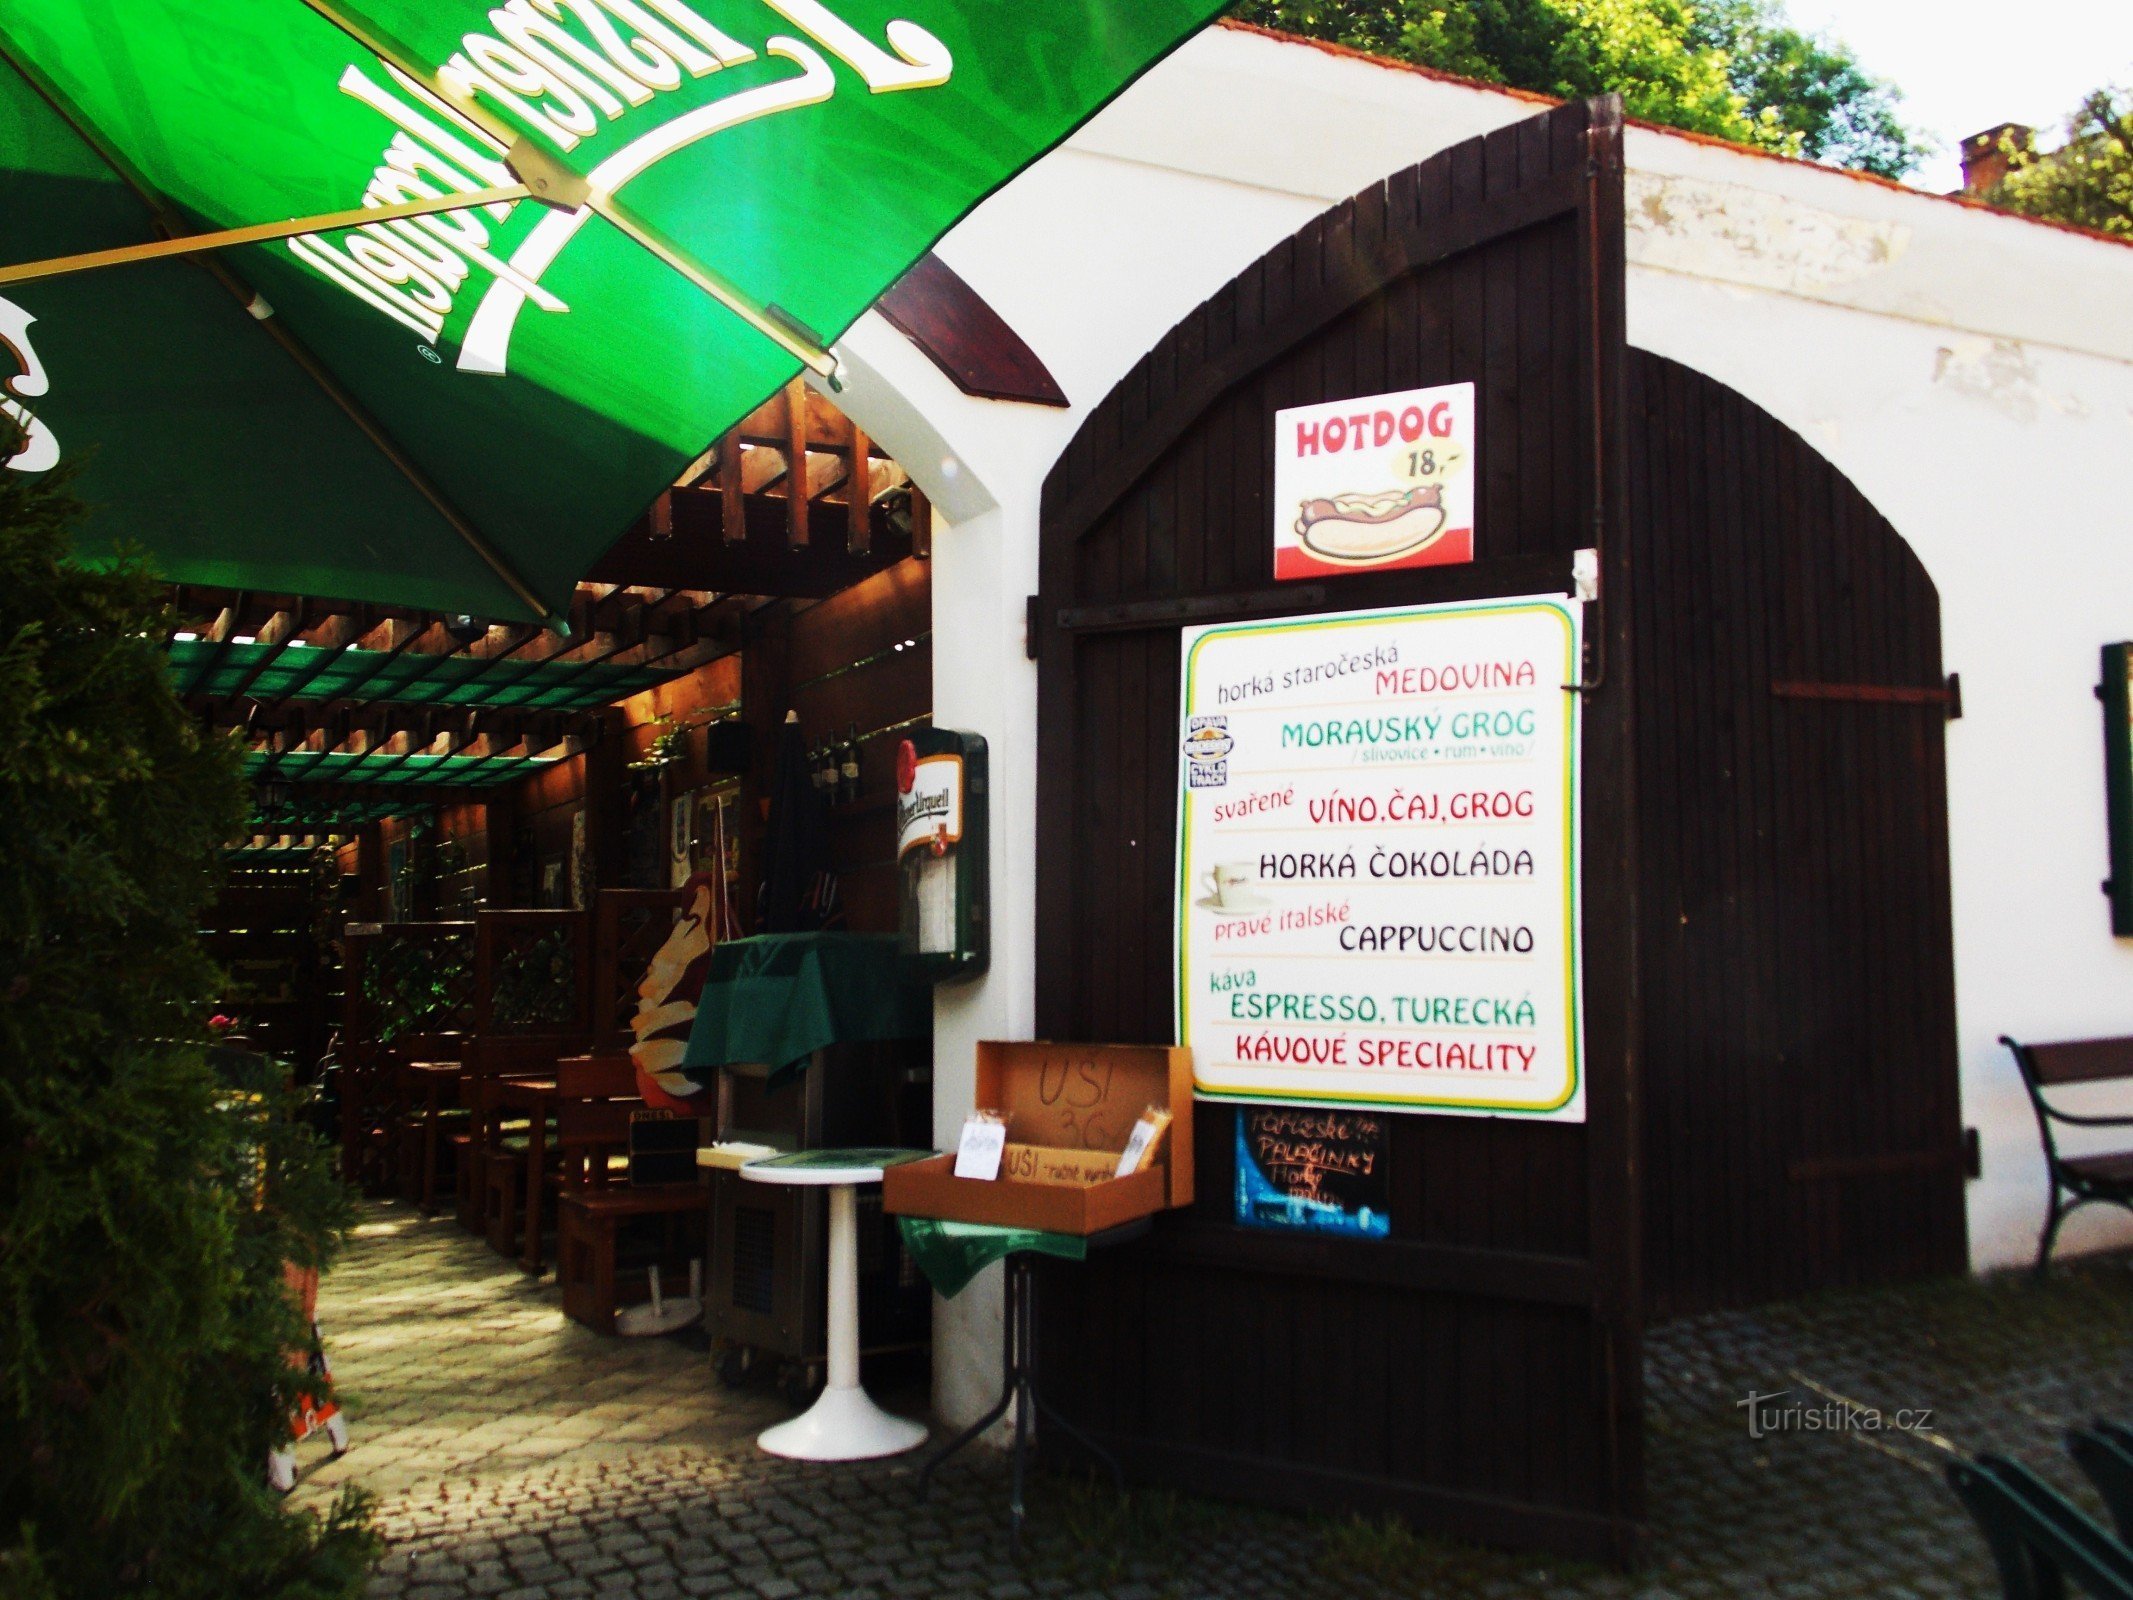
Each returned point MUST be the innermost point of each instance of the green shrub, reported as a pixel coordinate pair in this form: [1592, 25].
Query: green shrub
[147, 1202]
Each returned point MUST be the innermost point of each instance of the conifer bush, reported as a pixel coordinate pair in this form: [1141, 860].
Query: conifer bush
[149, 1197]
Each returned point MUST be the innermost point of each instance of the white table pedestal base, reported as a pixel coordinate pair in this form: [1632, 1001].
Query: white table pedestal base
[844, 1425]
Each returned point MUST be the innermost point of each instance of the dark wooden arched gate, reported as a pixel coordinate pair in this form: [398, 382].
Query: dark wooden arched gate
[1769, 1012]
[1480, 1371]
[1802, 1113]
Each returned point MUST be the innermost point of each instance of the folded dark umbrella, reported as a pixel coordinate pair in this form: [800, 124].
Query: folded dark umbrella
[799, 889]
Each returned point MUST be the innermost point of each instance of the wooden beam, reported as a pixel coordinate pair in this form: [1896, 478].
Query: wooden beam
[950, 322]
[763, 563]
[734, 520]
[796, 498]
[762, 466]
[859, 494]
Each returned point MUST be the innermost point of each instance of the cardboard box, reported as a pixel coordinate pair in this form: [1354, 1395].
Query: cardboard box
[1065, 1098]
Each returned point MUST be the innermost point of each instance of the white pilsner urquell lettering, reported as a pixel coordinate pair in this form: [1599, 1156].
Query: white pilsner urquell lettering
[36, 450]
[557, 68]
[933, 807]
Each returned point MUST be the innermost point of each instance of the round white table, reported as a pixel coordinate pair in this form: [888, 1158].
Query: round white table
[844, 1424]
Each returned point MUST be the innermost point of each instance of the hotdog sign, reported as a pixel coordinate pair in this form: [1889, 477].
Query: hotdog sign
[1375, 483]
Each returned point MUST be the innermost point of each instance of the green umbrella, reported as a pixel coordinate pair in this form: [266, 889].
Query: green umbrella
[593, 234]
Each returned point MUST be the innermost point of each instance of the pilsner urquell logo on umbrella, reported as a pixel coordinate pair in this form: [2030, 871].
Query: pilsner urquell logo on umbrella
[509, 267]
[29, 444]
[622, 63]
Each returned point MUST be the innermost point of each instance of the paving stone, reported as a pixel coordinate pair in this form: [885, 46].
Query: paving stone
[516, 1456]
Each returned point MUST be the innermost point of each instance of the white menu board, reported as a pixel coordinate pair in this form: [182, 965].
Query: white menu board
[1378, 859]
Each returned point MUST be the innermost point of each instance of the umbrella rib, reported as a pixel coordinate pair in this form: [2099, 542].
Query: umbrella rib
[191, 244]
[166, 217]
[772, 322]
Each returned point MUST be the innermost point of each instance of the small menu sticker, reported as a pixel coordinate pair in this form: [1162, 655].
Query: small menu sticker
[1145, 1134]
[978, 1152]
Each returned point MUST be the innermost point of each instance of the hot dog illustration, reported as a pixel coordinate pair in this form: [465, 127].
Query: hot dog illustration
[1365, 529]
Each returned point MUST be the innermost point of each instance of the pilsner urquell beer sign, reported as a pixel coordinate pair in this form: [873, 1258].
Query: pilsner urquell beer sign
[941, 850]
[1377, 895]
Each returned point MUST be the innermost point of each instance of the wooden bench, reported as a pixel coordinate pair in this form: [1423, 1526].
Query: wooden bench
[2076, 1181]
[2039, 1539]
[2104, 1450]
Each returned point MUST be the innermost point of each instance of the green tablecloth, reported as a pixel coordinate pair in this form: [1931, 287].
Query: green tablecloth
[950, 1254]
[779, 997]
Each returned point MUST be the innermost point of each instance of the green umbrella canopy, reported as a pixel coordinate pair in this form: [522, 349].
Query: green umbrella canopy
[462, 411]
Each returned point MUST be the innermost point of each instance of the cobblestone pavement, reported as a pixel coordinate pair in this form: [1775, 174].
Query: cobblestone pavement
[515, 1454]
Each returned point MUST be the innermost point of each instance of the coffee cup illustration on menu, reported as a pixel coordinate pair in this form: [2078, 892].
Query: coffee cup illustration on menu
[1232, 886]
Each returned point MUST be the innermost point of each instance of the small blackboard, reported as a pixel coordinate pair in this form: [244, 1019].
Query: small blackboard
[662, 1148]
[1314, 1170]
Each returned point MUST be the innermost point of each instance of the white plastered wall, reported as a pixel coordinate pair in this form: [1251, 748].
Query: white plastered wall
[1972, 374]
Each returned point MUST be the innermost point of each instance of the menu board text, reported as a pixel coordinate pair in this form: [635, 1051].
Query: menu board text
[1377, 896]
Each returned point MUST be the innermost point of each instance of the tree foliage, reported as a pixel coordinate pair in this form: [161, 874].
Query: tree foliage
[1733, 69]
[2088, 180]
[1811, 89]
[147, 1202]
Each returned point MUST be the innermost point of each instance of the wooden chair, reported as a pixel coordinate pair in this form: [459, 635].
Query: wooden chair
[596, 1096]
[492, 1156]
[2076, 1181]
[589, 1220]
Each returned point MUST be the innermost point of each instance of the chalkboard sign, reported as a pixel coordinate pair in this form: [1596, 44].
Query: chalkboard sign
[662, 1148]
[1313, 1170]
[2116, 693]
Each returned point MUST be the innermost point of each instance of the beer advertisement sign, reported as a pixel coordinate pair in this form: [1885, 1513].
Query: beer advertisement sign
[1377, 876]
[1376, 483]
